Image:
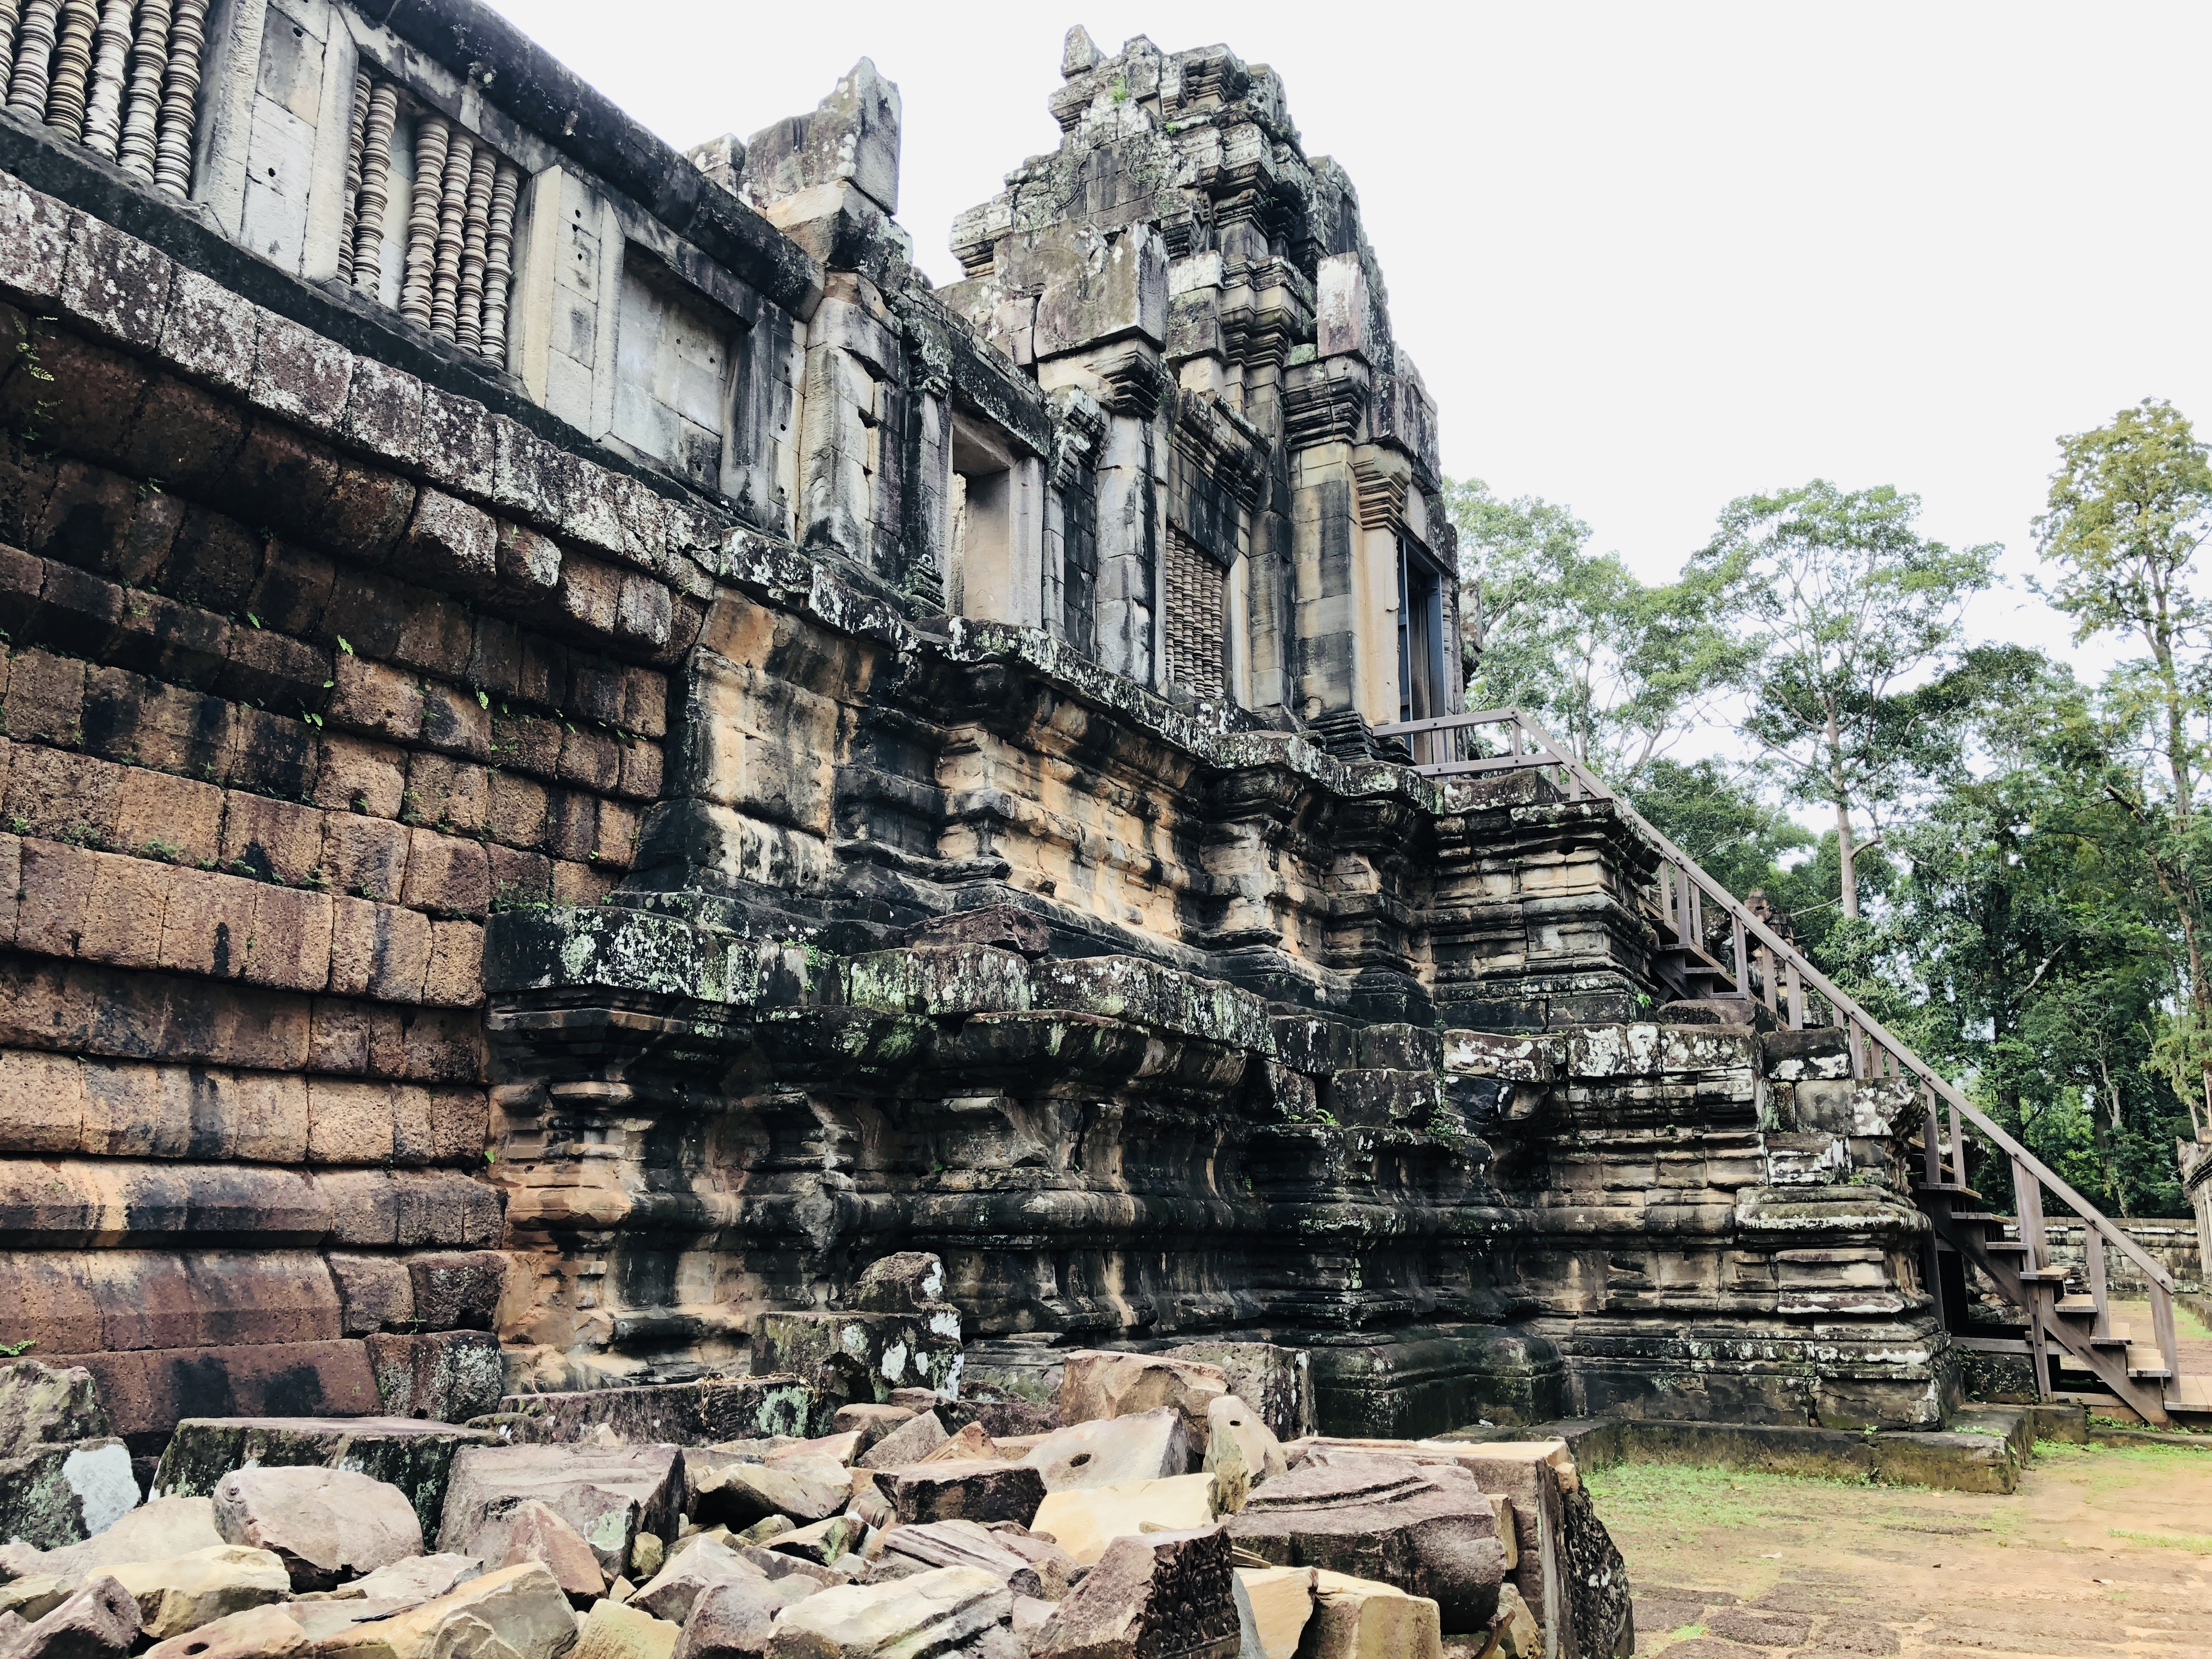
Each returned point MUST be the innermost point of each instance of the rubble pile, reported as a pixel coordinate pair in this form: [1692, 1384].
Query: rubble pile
[1156, 1514]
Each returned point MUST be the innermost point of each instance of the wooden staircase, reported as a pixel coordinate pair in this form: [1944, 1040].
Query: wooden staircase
[2073, 1347]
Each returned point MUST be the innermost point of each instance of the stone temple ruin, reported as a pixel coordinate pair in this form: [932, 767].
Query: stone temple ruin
[587, 757]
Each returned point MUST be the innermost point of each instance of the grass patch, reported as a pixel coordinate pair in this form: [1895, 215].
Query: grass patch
[2196, 1542]
[1686, 1498]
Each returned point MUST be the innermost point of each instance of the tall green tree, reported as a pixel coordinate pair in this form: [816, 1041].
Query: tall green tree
[1616, 668]
[2130, 505]
[1848, 613]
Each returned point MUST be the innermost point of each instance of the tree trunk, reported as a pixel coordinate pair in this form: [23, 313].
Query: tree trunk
[1847, 859]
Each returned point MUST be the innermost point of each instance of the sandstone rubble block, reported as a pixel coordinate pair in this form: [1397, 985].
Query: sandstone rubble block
[614, 1631]
[262, 1632]
[1282, 1601]
[415, 1456]
[1360, 1618]
[1163, 1593]
[1425, 1528]
[520, 1607]
[326, 1525]
[1086, 1519]
[1094, 1385]
[915, 1618]
[538, 1534]
[1114, 1451]
[738, 1493]
[969, 1490]
[907, 1442]
[98, 1621]
[187, 1591]
[62, 1476]
[1240, 1450]
[609, 1494]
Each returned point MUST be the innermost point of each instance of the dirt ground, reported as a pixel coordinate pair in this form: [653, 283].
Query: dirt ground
[2102, 1551]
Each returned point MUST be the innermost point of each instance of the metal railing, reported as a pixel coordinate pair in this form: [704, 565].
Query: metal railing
[1786, 982]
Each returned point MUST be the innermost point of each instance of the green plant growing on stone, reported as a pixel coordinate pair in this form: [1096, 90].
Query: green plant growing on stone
[15, 1350]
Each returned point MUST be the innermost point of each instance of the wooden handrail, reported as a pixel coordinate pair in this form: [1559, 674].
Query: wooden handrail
[1804, 974]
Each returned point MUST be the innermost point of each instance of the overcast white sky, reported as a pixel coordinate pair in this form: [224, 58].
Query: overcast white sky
[1648, 257]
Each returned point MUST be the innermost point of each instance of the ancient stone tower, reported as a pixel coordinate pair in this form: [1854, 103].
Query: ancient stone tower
[586, 755]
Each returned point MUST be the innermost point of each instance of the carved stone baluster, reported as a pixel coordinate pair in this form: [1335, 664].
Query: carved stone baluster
[141, 102]
[11, 12]
[180, 92]
[475, 232]
[103, 113]
[34, 60]
[356, 135]
[499, 262]
[72, 77]
[375, 185]
[453, 207]
[430, 136]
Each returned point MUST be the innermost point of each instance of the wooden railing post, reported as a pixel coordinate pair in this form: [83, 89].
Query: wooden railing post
[1741, 942]
[1797, 998]
[2161, 1324]
[1931, 1150]
[2093, 1258]
[2027, 1206]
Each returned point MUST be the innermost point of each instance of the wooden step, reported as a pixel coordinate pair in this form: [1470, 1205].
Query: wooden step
[2009, 1246]
[1947, 1189]
[2118, 1334]
[2076, 1306]
[2147, 1362]
[2189, 1394]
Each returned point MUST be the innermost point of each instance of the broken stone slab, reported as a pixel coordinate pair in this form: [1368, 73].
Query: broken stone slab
[1030, 1616]
[1170, 1592]
[1094, 1383]
[415, 1456]
[864, 1356]
[1114, 1451]
[153, 1532]
[418, 1580]
[538, 1534]
[1514, 1632]
[36, 1595]
[1001, 1419]
[734, 1617]
[699, 1567]
[1276, 1381]
[326, 1525]
[1282, 1601]
[841, 1448]
[263, 1633]
[100, 1619]
[909, 1282]
[1364, 1619]
[1057, 1569]
[614, 1631]
[971, 1443]
[54, 1496]
[697, 1414]
[972, 1490]
[1240, 1450]
[521, 1606]
[783, 1568]
[1427, 1530]
[871, 1422]
[1083, 1521]
[610, 1494]
[824, 1542]
[915, 1618]
[963, 1544]
[738, 1493]
[187, 1591]
[909, 1443]
[64, 1476]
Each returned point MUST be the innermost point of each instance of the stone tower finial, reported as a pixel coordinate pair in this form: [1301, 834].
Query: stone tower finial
[1078, 56]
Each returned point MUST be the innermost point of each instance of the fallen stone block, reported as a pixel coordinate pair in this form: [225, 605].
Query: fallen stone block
[734, 1617]
[445, 1376]
[615, 1632]
[263, 1633]
[864, 1356]
[966, 1490]
[63, 1477]
[1030, 1616]
[153, 1532]
[915, 1618]
[187, 1591]
[153, 1390]
[970, 1443]
[538, 1534]
[1363, 1618]
[909, 1443]
[34, 1596]
[871, 1422]
[415, 1457]
[1276, 1381]
[326, 1525]
[1095, 1383]
[1425, 1528]
[1172, 1592]
[1083, 1521]
[965, 1544]
[824, 1542]
[699, 1567]
[843, 1447]
[1114, 1451]
[421, 1579]
[1240, 1450]
[521, 1606]
[100, 1619]
[909, 1282]
[738, 1493]
[1057, 1569]
[1282, 1601]
[787, 1568]
[646, 1553]
[609, 1494]
[1514, 1632]
[699, 1414]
